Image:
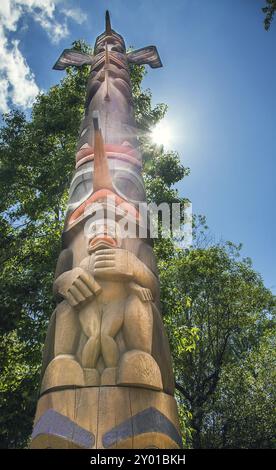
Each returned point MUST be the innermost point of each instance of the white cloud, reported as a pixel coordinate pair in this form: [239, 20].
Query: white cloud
[75, 14]
[55, 30]
[9, 14]
[17, 82]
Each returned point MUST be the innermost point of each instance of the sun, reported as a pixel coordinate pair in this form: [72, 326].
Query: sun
[161, 134]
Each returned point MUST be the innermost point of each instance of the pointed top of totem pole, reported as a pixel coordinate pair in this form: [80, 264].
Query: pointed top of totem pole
[107, 22]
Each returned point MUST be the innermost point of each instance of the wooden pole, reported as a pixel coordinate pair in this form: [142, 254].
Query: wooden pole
[107, 379]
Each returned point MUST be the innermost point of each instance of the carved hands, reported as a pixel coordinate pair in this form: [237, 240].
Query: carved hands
[76, 286]
[143, 293]
[118, 264]
[114, 264]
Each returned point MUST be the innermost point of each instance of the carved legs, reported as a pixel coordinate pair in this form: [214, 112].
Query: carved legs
[138, 324]
[63, 368]
[82, 336]
[90, 320]
[67, 329]
[137, 366]
[112, 320]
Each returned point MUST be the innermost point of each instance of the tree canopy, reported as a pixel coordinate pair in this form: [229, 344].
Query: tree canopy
[269, 11]
[220, 322]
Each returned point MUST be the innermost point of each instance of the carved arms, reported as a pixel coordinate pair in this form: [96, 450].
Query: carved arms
[76, 286]
[80, 284]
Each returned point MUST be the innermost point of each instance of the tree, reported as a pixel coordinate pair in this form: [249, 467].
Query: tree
[217, 305]
[269, 11]
[241, 414]
[36, 163]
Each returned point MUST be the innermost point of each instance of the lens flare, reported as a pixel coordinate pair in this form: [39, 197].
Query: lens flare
[161, 134]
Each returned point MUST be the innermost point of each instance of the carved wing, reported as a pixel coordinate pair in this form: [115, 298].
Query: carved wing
[147, 55]
[72, 57]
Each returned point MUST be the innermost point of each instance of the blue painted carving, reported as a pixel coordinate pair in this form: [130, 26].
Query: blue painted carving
[56, 424]
[149, 420]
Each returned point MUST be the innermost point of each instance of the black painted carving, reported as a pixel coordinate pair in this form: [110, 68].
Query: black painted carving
[149, 420]
[55, 424]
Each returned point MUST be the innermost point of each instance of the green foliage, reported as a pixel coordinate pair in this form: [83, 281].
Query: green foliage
[19, 377]
[269, 11]
[242, 411]
[218, 312]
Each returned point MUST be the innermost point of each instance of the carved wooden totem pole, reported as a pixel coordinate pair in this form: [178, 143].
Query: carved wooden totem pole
[107, 378]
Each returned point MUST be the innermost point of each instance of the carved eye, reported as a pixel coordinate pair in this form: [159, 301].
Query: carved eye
[81, 186]
[83, 189]
[129, 186]
[100, 49]
[117, 49]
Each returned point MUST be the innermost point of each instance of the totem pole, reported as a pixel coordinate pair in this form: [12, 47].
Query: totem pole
[107, 378]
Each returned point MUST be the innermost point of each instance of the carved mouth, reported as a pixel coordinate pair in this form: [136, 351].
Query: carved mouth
[101, 240]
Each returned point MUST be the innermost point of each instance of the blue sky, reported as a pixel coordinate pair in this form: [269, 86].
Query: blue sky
[218, 80]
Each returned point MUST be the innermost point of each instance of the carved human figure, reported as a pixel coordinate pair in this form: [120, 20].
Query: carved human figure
[110, 290]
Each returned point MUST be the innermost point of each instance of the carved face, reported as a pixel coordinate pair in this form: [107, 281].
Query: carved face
[103, 233]
[114, 41]
[128, 190]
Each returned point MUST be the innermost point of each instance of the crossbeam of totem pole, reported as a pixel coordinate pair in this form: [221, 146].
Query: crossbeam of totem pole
[107, 379]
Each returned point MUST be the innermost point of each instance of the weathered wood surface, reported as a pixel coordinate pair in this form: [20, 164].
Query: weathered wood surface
[106, 418]
[107, 378]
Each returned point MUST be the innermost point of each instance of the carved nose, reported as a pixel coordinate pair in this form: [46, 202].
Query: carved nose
[102, 178]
